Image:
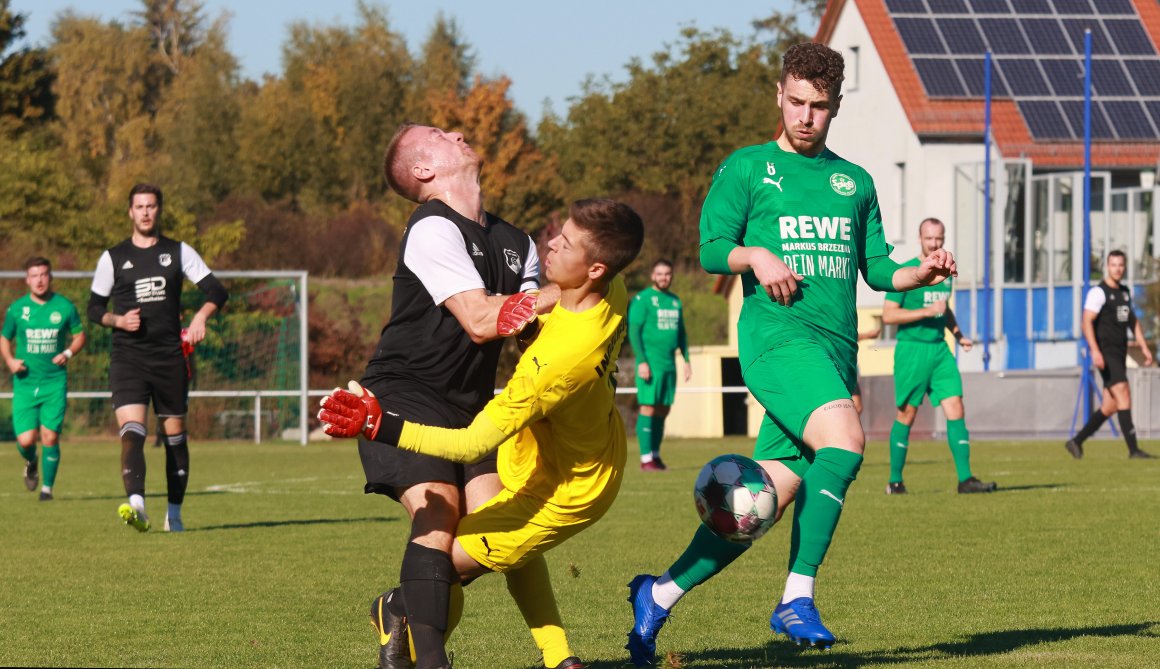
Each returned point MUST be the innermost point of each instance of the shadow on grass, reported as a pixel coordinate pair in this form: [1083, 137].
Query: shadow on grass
[290, 523]
[785, 654]
[1037, 486]
[148, 495]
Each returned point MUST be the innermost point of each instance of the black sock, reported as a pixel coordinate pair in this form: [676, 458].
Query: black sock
[426, 577]
[1128, 429]
[1090, 427]
[133, 458]
[176, 466]
[395, 603]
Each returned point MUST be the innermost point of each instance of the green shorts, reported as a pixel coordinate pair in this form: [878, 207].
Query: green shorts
[661, 388]
[922, 368]
[36, 406]
[790, 381]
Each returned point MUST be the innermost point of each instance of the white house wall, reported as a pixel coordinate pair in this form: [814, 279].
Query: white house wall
[873, 131]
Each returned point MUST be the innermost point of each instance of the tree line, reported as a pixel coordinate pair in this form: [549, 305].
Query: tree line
[262, 173]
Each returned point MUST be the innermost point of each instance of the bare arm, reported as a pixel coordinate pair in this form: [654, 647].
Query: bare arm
[476, 312]
[933, 270]
[1144, 348]
[1089, 333]
[196, 330]
[74, 346]
[14, 364]
[956, 332]
[778, 280]
[895, 314]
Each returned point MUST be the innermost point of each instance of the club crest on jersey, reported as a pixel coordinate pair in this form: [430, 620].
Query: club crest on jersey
[842, 184]
[165, 259]
[55, 318]
[513, 260]
[25, 313]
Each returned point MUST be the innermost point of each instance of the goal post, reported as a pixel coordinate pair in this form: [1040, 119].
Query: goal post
[249, 376]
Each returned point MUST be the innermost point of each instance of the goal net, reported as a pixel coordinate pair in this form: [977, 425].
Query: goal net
[249, 374]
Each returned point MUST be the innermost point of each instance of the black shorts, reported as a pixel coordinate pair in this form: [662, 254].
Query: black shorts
[1115, 367]
[165, 382]
[390, 470]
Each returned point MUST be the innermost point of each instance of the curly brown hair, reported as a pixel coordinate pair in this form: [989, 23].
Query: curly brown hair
[816, 63]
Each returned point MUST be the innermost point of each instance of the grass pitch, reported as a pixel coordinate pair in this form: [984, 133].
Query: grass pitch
[283, 554]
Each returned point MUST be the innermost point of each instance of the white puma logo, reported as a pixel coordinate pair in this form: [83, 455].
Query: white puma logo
[777, 183]
[900, 445]
[832, 496]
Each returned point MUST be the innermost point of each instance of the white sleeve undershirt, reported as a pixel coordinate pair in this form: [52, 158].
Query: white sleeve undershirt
[1095, 300]
[103, 276]
[437, 255]
[191, 263]
[531, 278]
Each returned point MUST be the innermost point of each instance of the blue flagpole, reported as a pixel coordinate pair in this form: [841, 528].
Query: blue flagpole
[1087, 381]
[987, 296]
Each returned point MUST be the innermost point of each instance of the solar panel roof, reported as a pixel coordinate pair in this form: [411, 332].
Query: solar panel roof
[1037, 49]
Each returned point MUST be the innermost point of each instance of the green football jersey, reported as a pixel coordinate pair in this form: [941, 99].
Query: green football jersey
[39, 332]
[656, 328]
[927, 330]
[820, 216]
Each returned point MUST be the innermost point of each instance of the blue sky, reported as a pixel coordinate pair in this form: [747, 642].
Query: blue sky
[559, 44]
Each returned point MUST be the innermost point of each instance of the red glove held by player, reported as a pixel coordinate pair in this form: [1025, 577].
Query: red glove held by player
[516, 312]
[349, 413]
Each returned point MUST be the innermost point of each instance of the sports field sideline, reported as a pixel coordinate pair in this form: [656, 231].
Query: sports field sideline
[283, 554]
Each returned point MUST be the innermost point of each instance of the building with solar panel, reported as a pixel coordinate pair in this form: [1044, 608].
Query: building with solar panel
[913, 115]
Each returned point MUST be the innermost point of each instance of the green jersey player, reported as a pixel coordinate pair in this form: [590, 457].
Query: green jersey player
[656, 328]
[798, 223]
[42, 331]
[923, 365]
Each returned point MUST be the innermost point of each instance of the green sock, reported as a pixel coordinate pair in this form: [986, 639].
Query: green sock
[644, 433]
[899, 443]
[28, 453]
[658, 433]
[706, 555]
[960, 442]
[49, 461]
[818, 506]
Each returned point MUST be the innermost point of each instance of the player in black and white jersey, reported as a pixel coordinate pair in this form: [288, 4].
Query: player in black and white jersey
[461, 285]
[1108, 316]
[143, 275]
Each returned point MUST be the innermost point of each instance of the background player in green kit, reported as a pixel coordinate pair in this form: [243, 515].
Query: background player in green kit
[798, 223]
[656, 328]
[42, 332]
[924, 365]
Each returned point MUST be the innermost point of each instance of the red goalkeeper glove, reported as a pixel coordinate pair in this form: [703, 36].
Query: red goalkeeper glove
[349, 413]
[516, 313]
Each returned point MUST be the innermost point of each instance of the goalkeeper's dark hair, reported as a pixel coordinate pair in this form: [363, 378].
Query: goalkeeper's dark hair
[145, 189]
[615, 231]
[816, 63]
[397, 163]
[1118, 254]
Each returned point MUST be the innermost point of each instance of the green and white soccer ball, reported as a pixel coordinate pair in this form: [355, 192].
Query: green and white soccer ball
[735, 498]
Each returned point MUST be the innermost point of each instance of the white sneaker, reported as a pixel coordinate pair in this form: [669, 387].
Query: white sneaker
[174, 524]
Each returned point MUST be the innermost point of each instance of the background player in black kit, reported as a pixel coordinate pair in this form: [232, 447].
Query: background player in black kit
[143, 275]
[459, 288]
[1107, 317]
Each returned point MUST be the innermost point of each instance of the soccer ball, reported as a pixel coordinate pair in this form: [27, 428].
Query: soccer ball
[735, 498]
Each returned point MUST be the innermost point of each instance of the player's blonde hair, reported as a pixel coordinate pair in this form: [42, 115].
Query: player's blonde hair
[398, 161]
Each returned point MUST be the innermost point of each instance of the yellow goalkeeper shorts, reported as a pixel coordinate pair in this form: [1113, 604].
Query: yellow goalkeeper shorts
[511, 529]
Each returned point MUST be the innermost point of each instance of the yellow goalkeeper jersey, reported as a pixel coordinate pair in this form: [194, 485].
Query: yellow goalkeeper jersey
[560, 436]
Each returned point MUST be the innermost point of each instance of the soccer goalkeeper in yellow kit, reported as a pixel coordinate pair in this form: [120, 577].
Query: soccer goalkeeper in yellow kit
[560, 436]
